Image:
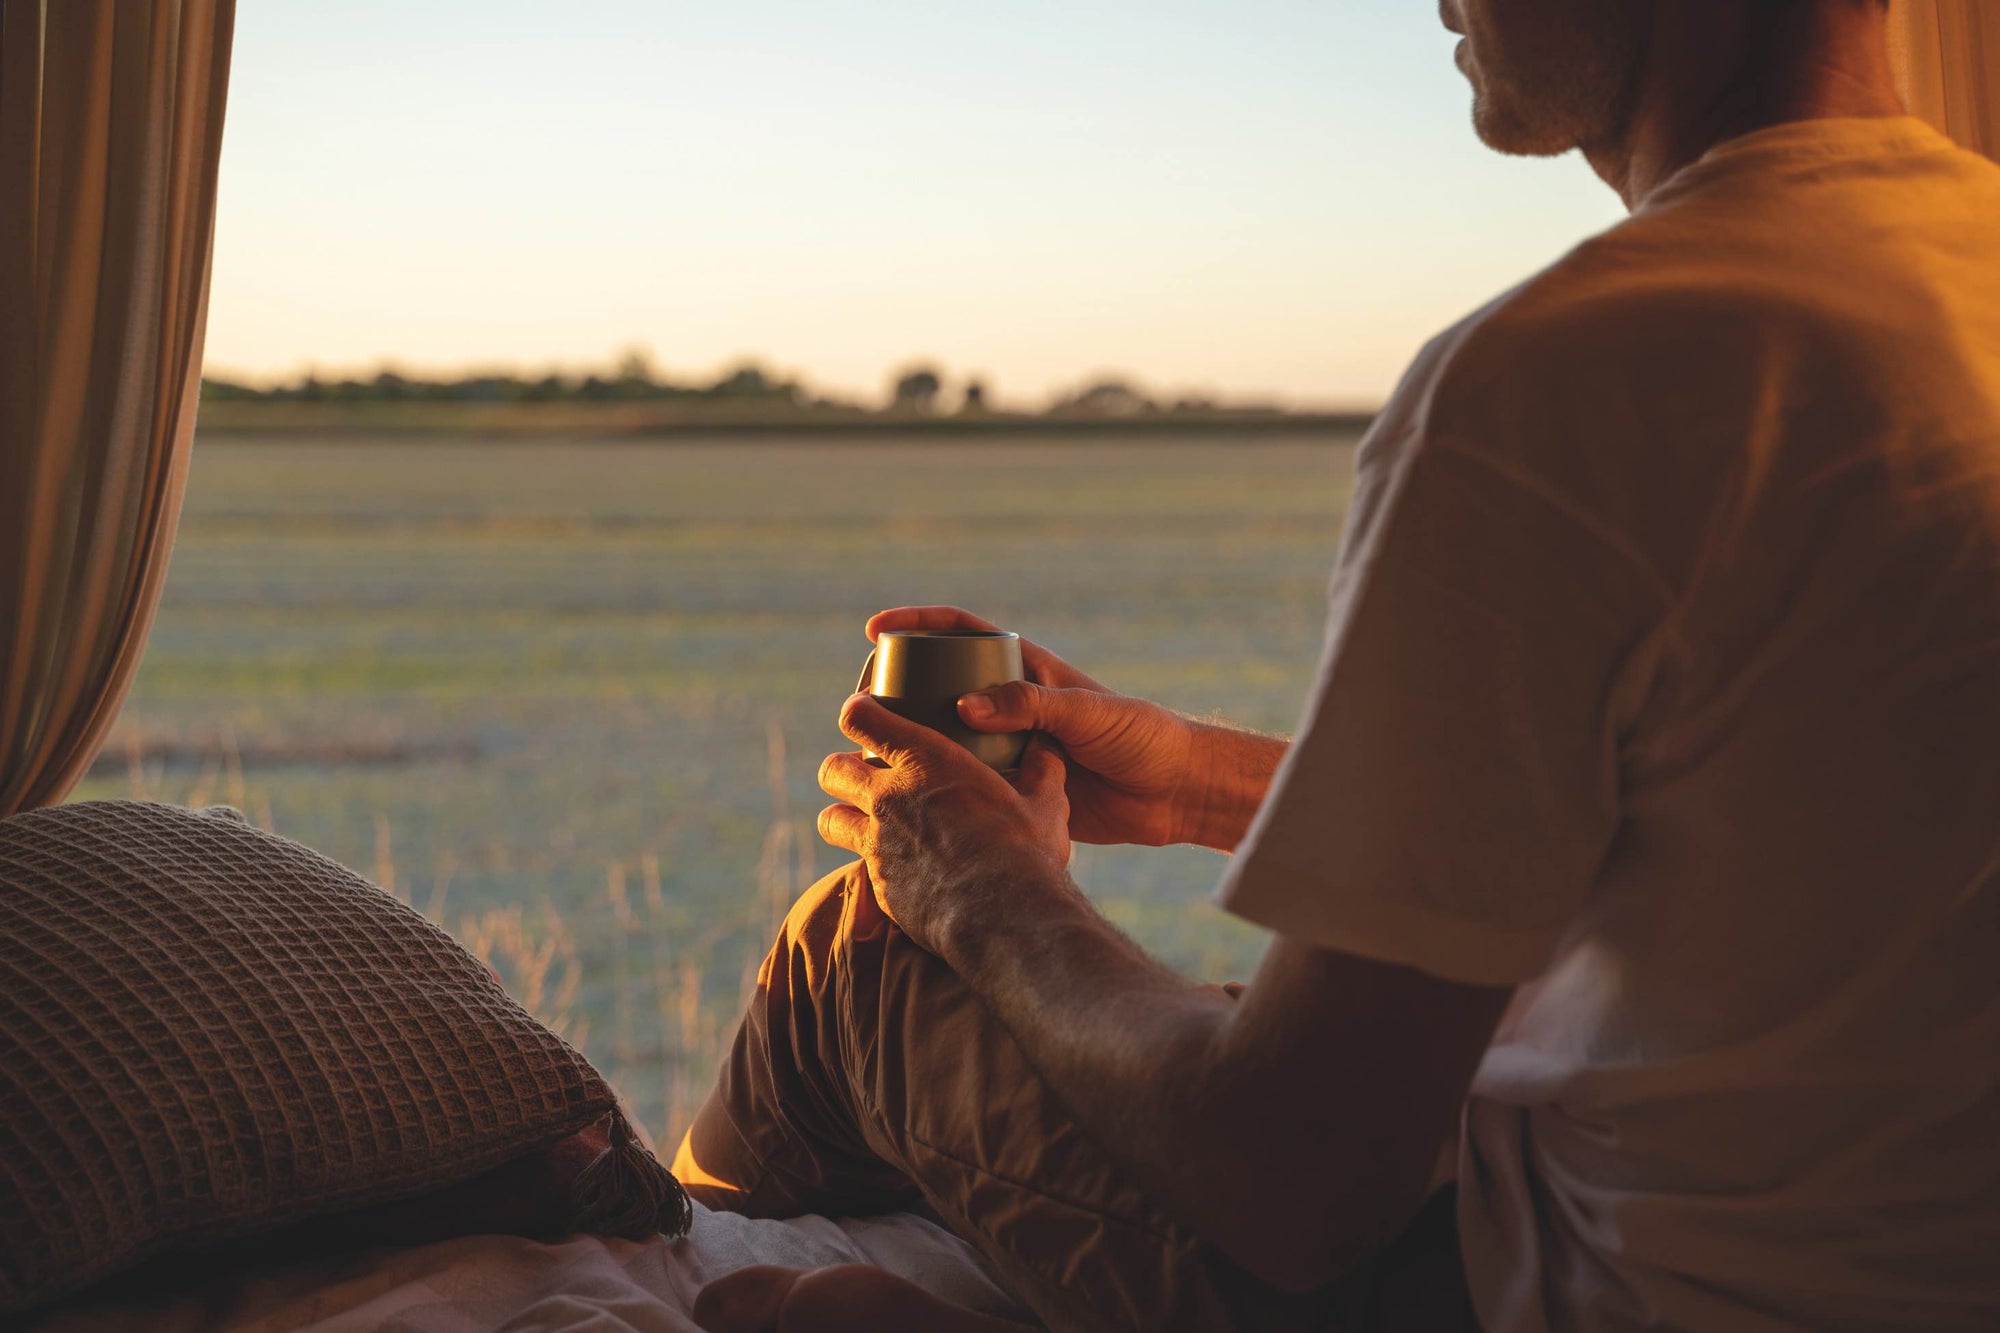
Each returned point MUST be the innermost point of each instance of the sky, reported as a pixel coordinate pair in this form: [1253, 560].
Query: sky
[1259, 199]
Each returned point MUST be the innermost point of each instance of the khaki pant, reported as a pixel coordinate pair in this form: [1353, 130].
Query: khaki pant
[867, 1077]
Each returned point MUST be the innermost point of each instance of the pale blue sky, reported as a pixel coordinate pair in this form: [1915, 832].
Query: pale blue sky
[1254, 197]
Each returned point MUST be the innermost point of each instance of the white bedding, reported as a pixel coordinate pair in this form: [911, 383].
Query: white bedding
[483, 1283]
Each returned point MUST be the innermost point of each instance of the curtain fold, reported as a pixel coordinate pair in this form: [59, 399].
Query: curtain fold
[110, 130]
[1948, 55]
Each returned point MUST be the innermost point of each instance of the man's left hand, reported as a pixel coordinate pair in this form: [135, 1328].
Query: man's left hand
[941, 832]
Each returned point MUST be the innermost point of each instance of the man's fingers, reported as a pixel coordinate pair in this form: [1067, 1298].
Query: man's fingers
[848, 777]
[1042, 665]
[897, 739]
[1041, 774]
[925, 617]
[1046, 668]
[844, 827]
[1040, 781]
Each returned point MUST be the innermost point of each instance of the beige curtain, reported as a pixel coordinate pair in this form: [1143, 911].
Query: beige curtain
[110, 126]
[1948, 54]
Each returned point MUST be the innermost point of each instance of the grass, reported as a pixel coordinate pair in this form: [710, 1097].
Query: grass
[683, 418]
[568, 697]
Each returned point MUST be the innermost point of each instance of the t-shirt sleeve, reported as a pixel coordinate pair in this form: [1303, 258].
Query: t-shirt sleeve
[1454, 785]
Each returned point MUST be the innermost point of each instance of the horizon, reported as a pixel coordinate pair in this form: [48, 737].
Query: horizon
[1267, 203]
[634, 365]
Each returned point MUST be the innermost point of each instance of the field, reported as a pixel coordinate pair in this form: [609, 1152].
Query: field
[568, 697]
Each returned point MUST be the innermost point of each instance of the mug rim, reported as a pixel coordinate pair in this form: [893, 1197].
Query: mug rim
[947, 634]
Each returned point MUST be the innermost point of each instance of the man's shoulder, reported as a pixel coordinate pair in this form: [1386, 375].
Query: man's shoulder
[1634, 298]
[1620, 383]
[1647, 327]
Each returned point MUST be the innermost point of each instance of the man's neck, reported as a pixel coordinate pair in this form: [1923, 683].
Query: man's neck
[1719, 69]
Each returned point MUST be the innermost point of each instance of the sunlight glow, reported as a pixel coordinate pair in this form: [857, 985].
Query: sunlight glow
[1266, 198]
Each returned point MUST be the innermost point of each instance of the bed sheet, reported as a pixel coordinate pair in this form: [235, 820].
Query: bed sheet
[477, 1284]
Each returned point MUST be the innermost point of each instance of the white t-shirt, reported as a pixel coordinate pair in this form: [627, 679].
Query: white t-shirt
[1663, 678]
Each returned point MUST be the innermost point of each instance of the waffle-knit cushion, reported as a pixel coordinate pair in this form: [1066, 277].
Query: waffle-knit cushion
[207, 1031]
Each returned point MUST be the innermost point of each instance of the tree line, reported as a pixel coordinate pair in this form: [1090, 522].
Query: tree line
[920, 388]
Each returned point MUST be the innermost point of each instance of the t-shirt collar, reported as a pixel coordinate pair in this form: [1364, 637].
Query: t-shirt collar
[1803, 141]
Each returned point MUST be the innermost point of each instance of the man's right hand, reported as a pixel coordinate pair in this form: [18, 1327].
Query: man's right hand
[1138, 772]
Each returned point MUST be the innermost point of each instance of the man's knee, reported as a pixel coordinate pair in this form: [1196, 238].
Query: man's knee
[816, 940]
[768, 1108]
[865, 1011]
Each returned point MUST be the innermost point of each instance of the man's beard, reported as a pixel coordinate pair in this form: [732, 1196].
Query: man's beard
[1572, 88]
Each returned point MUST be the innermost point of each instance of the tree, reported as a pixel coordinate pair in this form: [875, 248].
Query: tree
[1106, 398]
[916, 390]
[635, 366]
[227, 391]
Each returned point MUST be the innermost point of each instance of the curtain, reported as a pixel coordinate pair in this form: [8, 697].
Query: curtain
[110, 127]
[1948, 54]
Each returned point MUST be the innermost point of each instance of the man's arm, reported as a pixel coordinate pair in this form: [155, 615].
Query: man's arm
[1227, 778]
[1296, 1128]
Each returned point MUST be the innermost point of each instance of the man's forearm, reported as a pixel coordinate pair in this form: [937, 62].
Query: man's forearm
[1148, 1063]
[1296, 1128]
[1229, 774]
[1122, 1039]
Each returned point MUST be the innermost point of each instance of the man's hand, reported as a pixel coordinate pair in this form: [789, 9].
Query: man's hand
[942, 833]
[973, 869]
[1137, 772]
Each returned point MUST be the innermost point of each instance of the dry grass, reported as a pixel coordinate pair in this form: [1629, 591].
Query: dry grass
[564, 676]
[664, 1030]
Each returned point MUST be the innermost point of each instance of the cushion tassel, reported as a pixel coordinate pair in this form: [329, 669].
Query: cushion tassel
[626, 1192]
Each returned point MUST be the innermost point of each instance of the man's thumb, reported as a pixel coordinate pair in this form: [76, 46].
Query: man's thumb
[1042, 771]
[1019, 705]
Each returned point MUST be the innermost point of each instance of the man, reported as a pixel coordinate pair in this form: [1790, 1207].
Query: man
[1639, 855]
